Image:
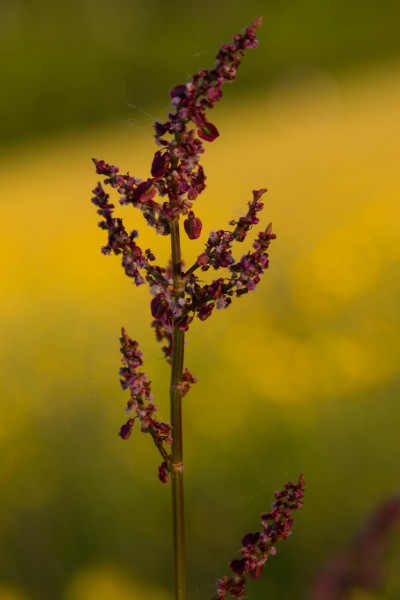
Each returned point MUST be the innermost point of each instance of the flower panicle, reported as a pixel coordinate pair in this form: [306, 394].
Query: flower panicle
[191, 100]
[167, 194]
[218, 249]
[136, 263]
[256, 547]
[140, 401]
[177, 178]
[243, 275]
[176, 173]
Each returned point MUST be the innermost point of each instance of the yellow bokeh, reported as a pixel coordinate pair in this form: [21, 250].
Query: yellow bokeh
[110, 582]
[12, 593]
[320, 333]
[346, 264]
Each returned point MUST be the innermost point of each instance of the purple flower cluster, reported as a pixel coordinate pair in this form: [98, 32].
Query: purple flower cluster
[140, 401]
[177, 175]
[175, 171]
[256, 547]
[167, 195]
[135, 262]
[166, 199]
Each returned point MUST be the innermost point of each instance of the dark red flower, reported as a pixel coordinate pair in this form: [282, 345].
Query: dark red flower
[163, 474]
[160, 164]
[238, 566]
[256, 547]
[126, 429]
[205, 311]
[145, 191]
[178, 91]
[208, 132]
[102, 168]
[159, 306]
[193, 226]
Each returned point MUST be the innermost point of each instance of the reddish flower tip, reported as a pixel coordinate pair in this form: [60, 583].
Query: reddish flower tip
[102, 168]
[163, 474]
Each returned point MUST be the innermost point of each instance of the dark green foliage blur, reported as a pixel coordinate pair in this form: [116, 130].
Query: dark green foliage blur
[65, 65]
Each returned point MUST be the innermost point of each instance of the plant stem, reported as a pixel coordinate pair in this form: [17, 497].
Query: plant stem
[176, 422]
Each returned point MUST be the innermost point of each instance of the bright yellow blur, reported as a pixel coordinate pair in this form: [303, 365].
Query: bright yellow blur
[108, 582]
[332, 176]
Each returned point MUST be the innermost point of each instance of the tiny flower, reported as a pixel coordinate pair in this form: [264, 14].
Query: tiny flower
[250, 539]
[193, 226]
[205, 311]
[214, 93]
[256, 547]
[187, 380]
[160, 129]
[102, 168]
[162, 431]
[208, 132]
[178, 91]
[163, 474]
[222, 302]
[145, 191]
[160, 164]
[238, 566]
[236, 586]
[126, 429]
[159, 306]
[202, 259]
[221, 589]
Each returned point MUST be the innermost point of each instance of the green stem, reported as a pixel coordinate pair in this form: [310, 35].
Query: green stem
[176, 422]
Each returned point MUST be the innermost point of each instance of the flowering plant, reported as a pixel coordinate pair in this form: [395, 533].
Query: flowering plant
[178, 296]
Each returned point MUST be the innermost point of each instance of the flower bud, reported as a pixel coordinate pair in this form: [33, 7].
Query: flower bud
[163, 474]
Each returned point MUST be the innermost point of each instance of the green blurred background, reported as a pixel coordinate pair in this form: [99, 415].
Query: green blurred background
[301, 376]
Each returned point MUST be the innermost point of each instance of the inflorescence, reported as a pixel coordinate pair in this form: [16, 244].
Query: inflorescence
[167, 195]
[176, 180]
[256, 547]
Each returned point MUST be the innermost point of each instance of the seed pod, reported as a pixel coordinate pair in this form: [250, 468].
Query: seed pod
[193, 226]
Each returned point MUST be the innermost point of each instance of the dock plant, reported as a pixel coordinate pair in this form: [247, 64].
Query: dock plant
[167, 198]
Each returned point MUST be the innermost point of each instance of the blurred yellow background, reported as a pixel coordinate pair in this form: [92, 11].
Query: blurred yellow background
[300, 376]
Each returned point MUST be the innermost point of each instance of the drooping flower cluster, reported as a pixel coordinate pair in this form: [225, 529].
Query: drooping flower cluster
[256, 547]
[140, 401]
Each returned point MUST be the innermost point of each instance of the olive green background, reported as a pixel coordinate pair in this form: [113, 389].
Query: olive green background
[69, 64]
